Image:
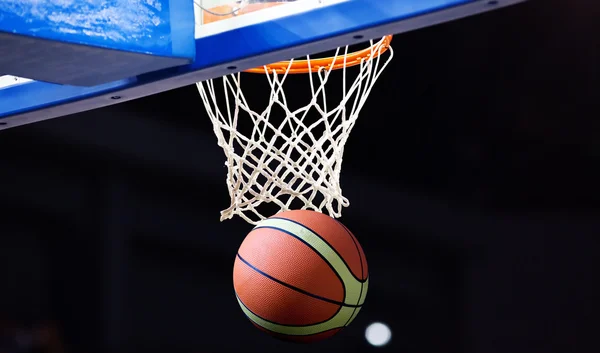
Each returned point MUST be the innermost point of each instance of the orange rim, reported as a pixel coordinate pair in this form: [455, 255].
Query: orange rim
[314, 65]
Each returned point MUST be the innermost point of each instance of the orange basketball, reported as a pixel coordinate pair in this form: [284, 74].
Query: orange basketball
[300, 276]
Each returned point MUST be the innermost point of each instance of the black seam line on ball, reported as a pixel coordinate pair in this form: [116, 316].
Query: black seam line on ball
[362, 271]
[338, 307]
[295, 288]
[324, 240]
[276, 323]
[303, 241]
[285, 231]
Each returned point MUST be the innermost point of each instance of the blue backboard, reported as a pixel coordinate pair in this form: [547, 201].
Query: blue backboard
[87, 43]
[158, 45]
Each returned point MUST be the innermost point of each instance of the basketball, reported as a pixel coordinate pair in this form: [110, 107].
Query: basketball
[300, 276]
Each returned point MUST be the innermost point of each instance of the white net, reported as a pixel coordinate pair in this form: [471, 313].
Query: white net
[289, 157]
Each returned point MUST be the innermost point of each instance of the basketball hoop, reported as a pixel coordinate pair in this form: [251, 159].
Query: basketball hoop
[291, 158]
[332, 62]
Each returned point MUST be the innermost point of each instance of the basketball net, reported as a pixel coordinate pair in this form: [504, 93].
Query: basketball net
[291, 157]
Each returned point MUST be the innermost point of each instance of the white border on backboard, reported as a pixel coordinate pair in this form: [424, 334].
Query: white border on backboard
[9, 81]
[264, 15]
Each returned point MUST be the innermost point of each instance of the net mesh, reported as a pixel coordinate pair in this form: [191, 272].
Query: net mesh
[291, 158]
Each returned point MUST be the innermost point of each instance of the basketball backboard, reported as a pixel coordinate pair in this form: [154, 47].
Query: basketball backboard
[170, 48]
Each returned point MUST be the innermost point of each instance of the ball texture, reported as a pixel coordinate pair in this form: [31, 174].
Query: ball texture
[300, 276]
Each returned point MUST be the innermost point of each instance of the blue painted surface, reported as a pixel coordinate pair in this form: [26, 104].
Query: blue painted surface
[145, 26]
[251, 46]
[38, 95]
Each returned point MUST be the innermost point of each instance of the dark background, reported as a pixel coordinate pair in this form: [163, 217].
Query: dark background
[472, 175]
